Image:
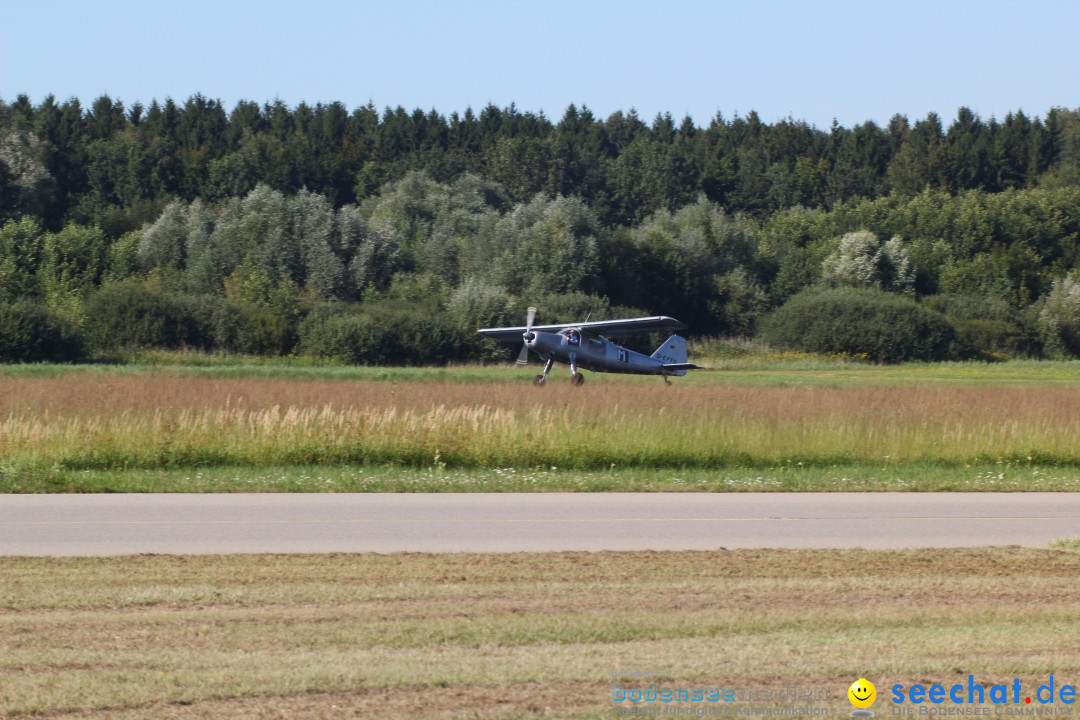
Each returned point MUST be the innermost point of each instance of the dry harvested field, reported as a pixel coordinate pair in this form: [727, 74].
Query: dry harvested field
[514, 636]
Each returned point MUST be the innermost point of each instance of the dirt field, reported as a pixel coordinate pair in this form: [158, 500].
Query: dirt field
[510, 636]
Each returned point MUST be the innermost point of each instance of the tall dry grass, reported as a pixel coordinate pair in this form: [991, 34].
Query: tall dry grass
[163, 421]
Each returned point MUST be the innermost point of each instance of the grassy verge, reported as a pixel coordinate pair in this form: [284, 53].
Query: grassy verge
[756, 370]
[514, 636]
[169, 431]
[916, 477]
[151, 421]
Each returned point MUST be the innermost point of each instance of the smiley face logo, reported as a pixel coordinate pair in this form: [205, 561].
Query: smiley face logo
[862, 693]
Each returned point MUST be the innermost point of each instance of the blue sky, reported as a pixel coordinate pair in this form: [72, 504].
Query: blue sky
[811, 60]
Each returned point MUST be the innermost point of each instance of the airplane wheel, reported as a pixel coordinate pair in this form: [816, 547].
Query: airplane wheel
[539, 380]
[577, 379]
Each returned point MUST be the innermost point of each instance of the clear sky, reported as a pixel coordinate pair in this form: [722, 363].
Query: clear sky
[813, 60]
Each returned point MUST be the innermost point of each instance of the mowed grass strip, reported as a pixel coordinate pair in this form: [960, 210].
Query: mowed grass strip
[989, 476]
[747, 369]
[522, 635]
[152, 421]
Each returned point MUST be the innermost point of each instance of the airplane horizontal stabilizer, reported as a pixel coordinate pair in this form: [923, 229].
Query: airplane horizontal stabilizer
[682, 366]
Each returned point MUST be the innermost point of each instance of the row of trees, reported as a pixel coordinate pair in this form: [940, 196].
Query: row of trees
[116, 167]
[391, 238]
[254, 269]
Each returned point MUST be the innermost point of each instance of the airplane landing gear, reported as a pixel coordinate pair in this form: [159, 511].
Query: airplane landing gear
[539, 380]
[576, 378]
[667, 381]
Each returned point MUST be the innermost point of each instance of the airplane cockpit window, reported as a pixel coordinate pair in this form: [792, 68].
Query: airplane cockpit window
[573, 337]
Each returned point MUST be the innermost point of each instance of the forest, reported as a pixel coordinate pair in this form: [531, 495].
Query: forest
[388, 237]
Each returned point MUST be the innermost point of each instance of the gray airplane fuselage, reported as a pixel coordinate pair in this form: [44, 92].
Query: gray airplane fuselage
[583, 346]
[597, 353]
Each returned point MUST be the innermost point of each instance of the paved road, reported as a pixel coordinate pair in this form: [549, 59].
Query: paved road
[316, 523]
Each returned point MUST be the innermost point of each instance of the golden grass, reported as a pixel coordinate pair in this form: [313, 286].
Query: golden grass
[149, 420]
[522, 635]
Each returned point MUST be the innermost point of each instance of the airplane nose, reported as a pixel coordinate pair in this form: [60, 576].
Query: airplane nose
[529, 336]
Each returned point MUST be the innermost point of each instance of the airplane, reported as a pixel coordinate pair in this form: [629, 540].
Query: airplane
[581, 345]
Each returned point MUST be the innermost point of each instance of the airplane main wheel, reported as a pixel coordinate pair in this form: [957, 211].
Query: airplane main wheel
[577, 379]
[539, 380]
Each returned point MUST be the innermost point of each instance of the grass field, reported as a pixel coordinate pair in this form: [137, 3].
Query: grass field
[772, 370]
[229, 429]
[528, 635]
[518, 636]
[915, 477]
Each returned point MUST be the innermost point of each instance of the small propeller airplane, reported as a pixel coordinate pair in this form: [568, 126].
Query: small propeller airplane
[581, 345]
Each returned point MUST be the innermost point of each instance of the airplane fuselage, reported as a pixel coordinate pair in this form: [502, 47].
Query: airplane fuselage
[582, 346]
[597, 353]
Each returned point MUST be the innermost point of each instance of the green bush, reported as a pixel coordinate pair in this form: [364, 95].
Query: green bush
[1058, 318]
[988, 324]
[880, 326]
[131, 315]
[31, 333]
[345, 337]
[381, 336]
[247, 328]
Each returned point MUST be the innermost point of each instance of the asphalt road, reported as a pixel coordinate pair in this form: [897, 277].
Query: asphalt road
[319, 523]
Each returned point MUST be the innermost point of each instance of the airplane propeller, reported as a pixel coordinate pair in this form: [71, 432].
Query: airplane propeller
[523, 356]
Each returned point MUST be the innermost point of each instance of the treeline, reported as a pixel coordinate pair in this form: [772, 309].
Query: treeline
[115, 167]
[391, 237]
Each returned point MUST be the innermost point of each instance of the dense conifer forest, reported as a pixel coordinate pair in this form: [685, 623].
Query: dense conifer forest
[389, 237]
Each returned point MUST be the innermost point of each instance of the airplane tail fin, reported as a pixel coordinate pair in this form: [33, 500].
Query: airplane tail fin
[673, 354]
[672, 351]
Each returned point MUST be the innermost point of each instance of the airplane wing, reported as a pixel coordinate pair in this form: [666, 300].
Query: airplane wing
[632, 326]
[515, 333]
[608, 328]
